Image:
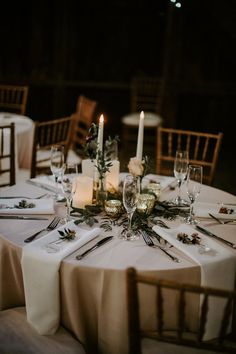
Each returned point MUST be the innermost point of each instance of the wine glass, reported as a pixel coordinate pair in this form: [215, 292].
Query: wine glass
[68, 186]
[57, 162]
[131, 189]
[193, 184]
[180, 172]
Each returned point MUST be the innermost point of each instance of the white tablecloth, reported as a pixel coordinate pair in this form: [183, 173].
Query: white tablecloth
[24, 127]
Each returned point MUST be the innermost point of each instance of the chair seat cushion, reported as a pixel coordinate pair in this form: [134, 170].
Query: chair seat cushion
[18, 337]
[150, 120]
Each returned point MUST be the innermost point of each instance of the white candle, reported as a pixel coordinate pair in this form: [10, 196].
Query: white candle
[100, 133]
[84, 192]
[112, 177]
[139, 152]
[88, 168]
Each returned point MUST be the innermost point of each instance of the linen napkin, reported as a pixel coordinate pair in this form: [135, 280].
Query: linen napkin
[164, 181]
[41, 206]
[202, 210]
[41, 276]
[217, 268]
[47, 182]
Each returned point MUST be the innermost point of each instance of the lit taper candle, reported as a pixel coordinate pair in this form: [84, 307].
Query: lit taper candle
[139, 151]
[100, 133]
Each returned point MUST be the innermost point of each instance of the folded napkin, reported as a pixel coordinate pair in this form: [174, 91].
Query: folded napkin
[40, 270]
[41, 206]
[202, 210]
[217, 268]
[164, 181]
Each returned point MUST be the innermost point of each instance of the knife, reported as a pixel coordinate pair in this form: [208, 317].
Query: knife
[98, 244]
[22, 217]
[208, 233]
[41, 185]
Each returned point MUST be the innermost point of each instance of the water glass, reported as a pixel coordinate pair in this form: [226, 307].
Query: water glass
[193, 184]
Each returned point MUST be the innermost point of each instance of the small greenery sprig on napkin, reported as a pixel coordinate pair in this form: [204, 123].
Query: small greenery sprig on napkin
[67, 234]
[23, 204]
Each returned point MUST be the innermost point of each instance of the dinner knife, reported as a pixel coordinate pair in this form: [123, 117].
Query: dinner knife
[19, 217]
[98, 244]
[41, 185]
[209, 233]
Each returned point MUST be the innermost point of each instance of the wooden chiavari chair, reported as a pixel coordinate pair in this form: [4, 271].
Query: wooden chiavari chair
[13, 98]
[203, 150]
[7, 155]
[159, 340]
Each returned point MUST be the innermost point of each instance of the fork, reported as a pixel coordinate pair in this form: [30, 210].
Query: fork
[150, 243]
[50, 227]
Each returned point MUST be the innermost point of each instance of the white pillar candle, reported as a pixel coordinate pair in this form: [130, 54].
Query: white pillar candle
[112, 177]
[88, 168]
[139, 151]
[84, 192]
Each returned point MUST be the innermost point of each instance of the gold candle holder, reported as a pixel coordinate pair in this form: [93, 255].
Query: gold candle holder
[145, 204]
[113, 207]
[155, 188]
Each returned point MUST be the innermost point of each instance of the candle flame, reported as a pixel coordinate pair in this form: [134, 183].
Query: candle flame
[101, 119]
[142, 115]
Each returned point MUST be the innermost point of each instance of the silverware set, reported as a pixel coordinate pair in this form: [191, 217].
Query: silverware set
[150, 243]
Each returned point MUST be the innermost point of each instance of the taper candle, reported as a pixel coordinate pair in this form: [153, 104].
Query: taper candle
[139, 151]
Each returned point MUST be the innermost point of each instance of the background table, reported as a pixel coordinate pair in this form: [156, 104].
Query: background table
[24, 128]
[93, 290]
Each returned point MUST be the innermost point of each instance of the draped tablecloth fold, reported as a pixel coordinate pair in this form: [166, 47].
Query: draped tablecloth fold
[40, 268]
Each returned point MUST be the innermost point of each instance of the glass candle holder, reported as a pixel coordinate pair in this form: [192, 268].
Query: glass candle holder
[145, 204]
[113, 207]
[155, 188]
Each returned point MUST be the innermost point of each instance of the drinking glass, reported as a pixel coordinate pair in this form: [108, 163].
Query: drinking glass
[193, 184]
[68, 186]
[131, 189]
[180, 172]
[57, 163]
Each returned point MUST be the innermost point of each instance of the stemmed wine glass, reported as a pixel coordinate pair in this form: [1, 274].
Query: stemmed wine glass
[193, 184]
[57, 162]
[68, 186]
[180, 172]
[131, 189]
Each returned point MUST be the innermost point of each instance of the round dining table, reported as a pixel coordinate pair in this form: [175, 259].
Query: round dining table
[24, 128]
[93, 299]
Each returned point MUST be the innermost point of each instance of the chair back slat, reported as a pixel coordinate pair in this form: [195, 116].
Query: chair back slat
[181, 313]
[159, 312]
[204, 311]
[180, 333]
[7, 155]
[203, 149]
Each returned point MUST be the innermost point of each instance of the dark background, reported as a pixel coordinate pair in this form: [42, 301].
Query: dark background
[62, 49]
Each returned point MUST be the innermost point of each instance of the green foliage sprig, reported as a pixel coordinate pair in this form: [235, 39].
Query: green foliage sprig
[23, 204]
[67, 234]
[103, 164]
[90, 148]
[86, 215]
